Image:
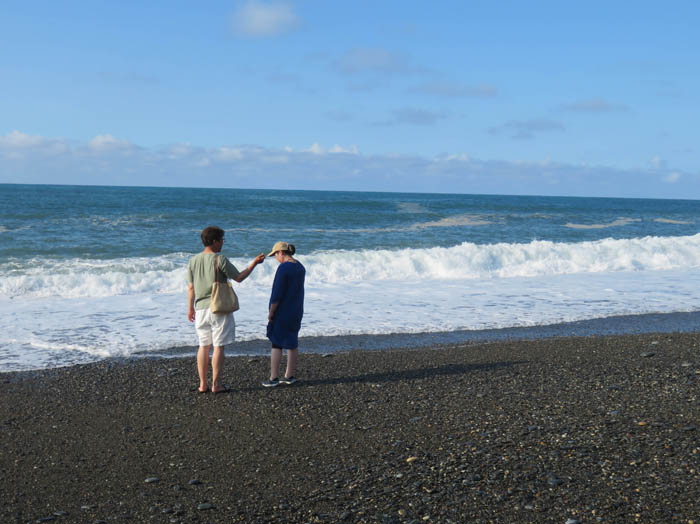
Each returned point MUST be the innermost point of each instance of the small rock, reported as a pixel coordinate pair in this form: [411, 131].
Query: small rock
[151, 480]
[205, 506]
[553, 480]
[648, 354]
[411, 459]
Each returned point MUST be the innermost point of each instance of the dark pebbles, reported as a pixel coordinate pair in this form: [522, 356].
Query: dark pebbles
[575, 430]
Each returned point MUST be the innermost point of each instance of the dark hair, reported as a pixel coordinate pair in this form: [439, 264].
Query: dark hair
[291, 250]
[211, 234]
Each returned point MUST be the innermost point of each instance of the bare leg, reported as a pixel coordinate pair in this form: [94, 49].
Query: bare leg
[217, 364]
[275, 359]
[203, 366]
[291, 362]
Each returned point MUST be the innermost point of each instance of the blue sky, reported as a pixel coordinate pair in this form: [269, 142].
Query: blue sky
[551, 98]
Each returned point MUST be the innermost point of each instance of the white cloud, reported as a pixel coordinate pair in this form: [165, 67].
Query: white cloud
[17, 139]
[109, 143]
[657, 162]
[317, 149]
[259, 19]
[16, 145]
[353, 150]
[24, 159]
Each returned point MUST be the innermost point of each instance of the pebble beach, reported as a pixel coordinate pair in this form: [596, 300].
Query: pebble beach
[565, 430]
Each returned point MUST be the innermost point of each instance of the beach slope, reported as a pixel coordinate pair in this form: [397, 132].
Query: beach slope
[594, 429]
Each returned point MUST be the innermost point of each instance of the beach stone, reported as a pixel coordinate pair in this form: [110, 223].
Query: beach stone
[151, 480]
[205, 506]
[553, 480]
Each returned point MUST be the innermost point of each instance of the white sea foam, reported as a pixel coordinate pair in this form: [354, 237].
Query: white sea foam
[622, 221]
[80, 311]
[672, 221]
[162, 275]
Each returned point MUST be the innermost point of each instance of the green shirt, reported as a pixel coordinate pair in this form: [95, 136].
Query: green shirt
[200, 272]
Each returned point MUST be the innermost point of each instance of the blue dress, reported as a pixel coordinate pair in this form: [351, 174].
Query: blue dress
[288, 294]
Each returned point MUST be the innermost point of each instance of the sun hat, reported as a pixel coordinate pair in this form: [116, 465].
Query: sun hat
[279, 246]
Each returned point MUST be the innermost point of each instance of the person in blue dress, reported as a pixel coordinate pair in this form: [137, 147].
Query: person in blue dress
[285, 313]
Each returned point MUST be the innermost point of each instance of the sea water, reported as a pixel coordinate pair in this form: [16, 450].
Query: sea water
[88, 273]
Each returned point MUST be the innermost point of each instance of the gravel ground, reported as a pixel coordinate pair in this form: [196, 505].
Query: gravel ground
[593, 429]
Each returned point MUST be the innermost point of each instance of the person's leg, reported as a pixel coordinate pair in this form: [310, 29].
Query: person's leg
[291, 362]
[275, 359]
[203, 367]
[217, 364]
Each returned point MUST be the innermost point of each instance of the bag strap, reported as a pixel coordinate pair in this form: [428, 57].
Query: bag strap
[216, 268]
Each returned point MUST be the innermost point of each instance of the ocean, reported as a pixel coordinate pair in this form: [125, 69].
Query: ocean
[90, 273]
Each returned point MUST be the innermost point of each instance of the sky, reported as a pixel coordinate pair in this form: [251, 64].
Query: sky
[541, 97]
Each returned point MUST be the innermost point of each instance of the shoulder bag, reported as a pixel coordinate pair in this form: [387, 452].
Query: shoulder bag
[223, 298]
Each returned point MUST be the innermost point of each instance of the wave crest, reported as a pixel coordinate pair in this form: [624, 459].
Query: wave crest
[165, 275]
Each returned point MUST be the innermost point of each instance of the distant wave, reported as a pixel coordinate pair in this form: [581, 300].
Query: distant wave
[164, 275]
[411, 207]
[672, 221]
[461, 220]
[616, 223]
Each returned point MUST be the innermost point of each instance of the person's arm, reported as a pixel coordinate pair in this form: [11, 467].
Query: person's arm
[247, 271]
[190, 302]
[271, 314]
[278, 289]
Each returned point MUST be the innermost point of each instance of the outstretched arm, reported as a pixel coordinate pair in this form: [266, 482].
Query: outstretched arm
[247, 271]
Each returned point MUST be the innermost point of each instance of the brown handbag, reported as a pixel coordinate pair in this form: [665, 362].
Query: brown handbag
[223, 297]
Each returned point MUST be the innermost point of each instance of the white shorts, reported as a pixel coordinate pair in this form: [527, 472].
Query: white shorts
[214, 328]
